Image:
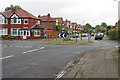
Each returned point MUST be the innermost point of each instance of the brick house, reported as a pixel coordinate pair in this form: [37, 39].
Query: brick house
[74, 26]
[59, 20]
[67, 24]
[48, 23]
[18, 22]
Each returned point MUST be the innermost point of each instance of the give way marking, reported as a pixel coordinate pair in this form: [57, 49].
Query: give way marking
[6, 57]
[33, 50]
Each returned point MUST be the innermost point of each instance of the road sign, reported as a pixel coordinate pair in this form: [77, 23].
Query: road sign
[62, 35]
[63, 31]
[59, 35]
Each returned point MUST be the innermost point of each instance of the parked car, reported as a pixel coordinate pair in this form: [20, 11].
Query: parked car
[75, 35]
[98, 36]
[92, 34]
[102, 34]
[84, 34]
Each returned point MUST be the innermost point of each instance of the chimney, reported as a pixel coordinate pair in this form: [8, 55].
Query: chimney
[48, 15]
[38, 16]
[13, 9]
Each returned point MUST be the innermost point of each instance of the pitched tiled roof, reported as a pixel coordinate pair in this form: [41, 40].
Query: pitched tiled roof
[36, 27]
[60, 19]
[20, 12]
[46, 18]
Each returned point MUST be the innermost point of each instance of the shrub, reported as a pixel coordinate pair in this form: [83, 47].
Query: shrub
[9, 36]
[42, 33]
[68, 39]
[113, 33]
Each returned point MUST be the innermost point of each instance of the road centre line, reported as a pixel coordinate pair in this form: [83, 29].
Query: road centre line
[33, 50]
[42, 47]
[6, 57]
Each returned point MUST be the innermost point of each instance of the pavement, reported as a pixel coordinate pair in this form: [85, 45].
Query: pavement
[31, 59]
[98, 63]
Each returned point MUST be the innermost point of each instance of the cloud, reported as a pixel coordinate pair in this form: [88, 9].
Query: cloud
[91, 11]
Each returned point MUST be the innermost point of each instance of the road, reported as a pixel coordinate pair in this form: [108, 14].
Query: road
[31, 59]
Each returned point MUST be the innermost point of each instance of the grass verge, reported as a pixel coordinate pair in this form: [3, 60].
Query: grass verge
[66, 42]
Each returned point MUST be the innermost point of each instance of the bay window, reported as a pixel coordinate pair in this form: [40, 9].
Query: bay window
[3, 31]
[16, 32]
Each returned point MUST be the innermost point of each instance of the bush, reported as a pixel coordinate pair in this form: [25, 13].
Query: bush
[113, 33]
[42, 33]
[67, 39]
[9, 36]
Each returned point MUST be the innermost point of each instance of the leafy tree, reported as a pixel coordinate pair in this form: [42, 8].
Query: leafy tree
[103, 24]
[57, 27]
[108, 28]
[72, 32]
[97, 26]
[88, 26]
[113, 34]
[118, 31]
[42, 33]
[11, 6]
[66, 30]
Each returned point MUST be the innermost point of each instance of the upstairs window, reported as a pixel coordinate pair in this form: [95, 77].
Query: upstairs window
[25, 21]
[56, 21]
[38, 22]
[15, 19]
[3, 20]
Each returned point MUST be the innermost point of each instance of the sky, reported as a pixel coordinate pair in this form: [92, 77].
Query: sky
[93, 12]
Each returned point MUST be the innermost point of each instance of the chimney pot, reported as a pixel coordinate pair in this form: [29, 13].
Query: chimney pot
[13, 9]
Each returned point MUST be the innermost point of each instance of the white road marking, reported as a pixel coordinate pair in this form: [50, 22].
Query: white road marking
[60, 75]
[116, 46]
[42, 47]
[6, 57]
[33, 50]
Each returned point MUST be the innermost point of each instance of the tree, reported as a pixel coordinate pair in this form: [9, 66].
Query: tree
[66, 30]
[103, 24]
[42, 33]
[108, 28]
[88, 27]
[11, 6]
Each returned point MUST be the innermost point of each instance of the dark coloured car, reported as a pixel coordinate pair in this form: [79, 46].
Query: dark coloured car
[98, 36]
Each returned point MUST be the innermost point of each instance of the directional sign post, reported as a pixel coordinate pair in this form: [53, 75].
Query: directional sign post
[63, 32]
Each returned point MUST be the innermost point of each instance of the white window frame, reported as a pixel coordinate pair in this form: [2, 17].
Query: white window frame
[17, 31]
[24, 21]
[36, 32]
[38, 22]
[3, 31]
[3, 19]
[27, 31]
[56, 21]
[17, 19]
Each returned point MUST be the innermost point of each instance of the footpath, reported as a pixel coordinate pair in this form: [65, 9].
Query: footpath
[99, 63]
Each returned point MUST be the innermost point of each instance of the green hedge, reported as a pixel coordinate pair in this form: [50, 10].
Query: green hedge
[113, 34]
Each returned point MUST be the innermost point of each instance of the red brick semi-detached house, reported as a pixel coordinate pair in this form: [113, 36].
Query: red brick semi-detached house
[18, 22]
[48, 24]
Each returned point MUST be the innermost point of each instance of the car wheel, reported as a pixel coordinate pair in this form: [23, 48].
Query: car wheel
[101, 39]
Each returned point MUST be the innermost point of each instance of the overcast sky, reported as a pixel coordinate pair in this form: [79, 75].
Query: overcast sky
[89, 11]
